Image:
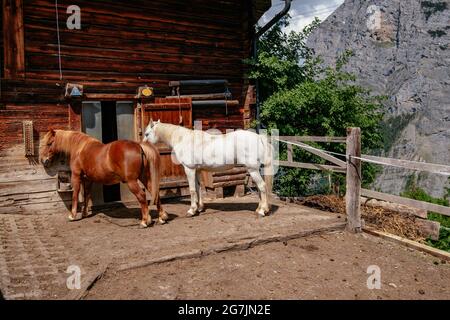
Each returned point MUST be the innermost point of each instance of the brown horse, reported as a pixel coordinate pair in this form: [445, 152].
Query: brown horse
[119, 161]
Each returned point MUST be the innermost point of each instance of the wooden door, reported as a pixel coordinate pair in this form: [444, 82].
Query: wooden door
[125, 131]
[177, 111]
[92, 125]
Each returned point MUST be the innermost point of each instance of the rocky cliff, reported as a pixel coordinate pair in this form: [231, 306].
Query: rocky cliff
[402, 50]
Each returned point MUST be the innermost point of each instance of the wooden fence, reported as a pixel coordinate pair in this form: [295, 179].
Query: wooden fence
[352, 168]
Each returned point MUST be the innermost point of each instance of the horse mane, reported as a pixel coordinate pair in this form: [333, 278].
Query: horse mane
[166, 130]
[71, 141]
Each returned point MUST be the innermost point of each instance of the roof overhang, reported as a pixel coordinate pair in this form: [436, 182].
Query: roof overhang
[261, 6]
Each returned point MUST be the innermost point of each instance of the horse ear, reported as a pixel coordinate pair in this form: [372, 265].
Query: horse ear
[52, 132]
[159, 120]
[151, 122]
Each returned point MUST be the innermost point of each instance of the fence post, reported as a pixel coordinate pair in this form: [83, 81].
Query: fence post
[353, 180]
[290, 153]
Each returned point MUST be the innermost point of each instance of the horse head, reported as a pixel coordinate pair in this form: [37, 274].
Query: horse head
[47, 148]
[150, 132]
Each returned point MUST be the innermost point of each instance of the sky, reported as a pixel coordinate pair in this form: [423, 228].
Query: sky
[302, 11]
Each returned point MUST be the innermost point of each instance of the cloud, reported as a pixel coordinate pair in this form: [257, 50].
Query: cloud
[302, 12]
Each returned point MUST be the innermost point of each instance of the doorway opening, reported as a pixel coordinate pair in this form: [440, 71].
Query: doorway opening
[109, 134]
[108, 121]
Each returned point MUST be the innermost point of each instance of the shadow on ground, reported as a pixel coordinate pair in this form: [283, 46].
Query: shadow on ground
[122, 211]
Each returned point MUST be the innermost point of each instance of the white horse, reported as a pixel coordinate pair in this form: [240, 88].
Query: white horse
[197, 150]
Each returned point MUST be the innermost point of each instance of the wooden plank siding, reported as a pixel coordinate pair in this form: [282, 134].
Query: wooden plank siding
[138, 42]
[2, 62]
[121, 46]
[13, 41]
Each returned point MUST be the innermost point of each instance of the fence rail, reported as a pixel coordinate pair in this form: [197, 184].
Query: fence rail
[412, 165]
[312, 166]
[352, 168]
[314, 139]
[406, 201]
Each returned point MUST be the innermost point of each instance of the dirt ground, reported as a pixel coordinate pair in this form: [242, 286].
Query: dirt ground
[331, 266]
[225, 253]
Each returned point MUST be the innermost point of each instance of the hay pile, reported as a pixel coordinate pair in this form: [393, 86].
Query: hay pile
[389, 221]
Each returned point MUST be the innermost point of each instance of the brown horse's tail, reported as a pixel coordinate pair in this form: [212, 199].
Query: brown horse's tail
[154, 174]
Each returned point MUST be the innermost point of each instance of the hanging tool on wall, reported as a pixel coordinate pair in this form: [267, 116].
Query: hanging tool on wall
[28, 140]
[227, 94]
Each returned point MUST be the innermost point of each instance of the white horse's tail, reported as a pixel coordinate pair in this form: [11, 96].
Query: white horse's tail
[268, 170]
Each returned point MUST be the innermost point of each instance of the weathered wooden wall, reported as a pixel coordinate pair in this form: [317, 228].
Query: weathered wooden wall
[121, 45]
[137, 42]
[25, 186]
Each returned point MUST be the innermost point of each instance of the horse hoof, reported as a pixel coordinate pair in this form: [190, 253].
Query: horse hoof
[143, 225]
[76, 218]
[191, 213]
[164, 216]
[261, 213]
[201, 209]
[161, 221]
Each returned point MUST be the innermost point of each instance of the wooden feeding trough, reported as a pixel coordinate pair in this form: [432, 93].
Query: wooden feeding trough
[63, 183]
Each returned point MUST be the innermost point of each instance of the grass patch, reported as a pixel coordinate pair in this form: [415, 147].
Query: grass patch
[443, 242]
[414, 192]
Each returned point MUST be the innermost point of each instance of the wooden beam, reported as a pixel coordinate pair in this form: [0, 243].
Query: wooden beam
[429, 228]
[290, 153]
[109, 96]
[173, 183]
[235, 170]
[182, 83]
[235, 177]
[353, 180]
[204, 96]
[312, 166]
[413, 165]
[407, 202]
[13, 39]
[400, 208]
[409, 243]
[228, 184]
[322, 154]
[215, 103]
[313, 139]
[165, 106]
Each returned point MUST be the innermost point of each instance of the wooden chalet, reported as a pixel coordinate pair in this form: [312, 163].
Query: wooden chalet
[178, 61]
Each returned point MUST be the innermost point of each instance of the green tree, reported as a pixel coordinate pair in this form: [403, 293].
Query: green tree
[300, 97]
[283, 59]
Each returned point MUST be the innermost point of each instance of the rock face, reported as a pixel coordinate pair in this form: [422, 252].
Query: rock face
[402, 50]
